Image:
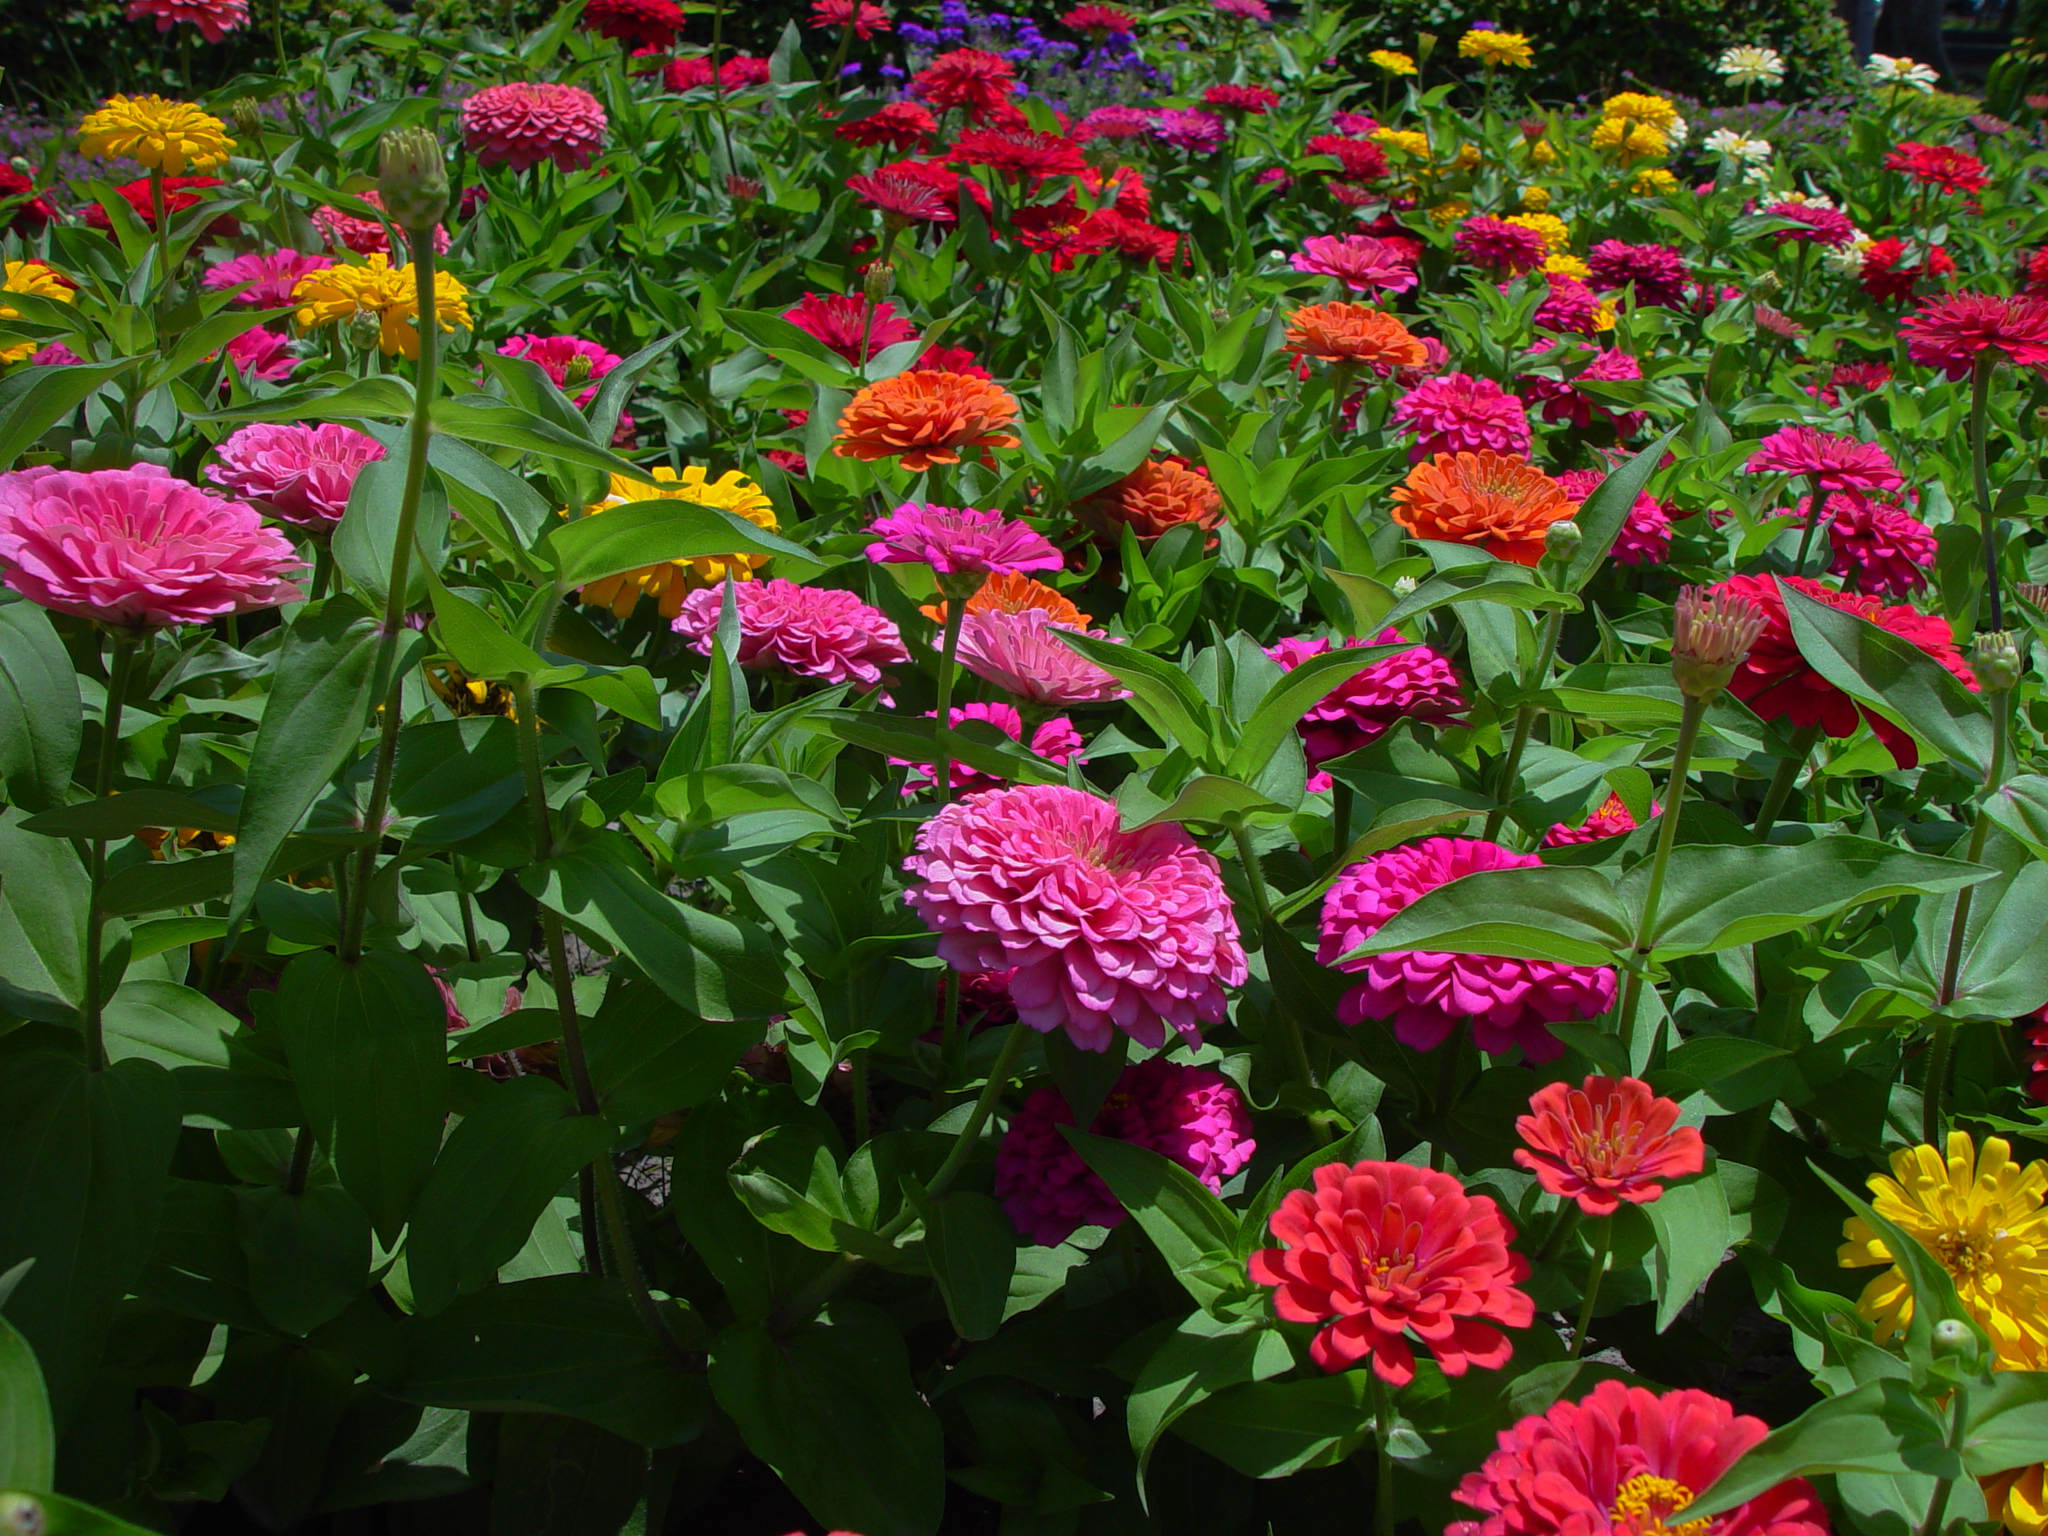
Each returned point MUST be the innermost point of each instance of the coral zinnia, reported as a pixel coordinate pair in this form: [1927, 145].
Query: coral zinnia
[731, 492]
[1953, 332]
[637, 23]
[1457, 413]
[1159, 494]
[1189, 1115]
[158, 134]
[1353, 334]
[865, 18]
[925, 418]
[1109, 930]
[264, 280]
[1981, 1215]
[1055, 740]
[1377, 1250]
[972, 79]
[36, 280]
[1022, 653]
[1837, 463]
[1418, 684]
[1362, 263]
[138, 548]
[1624, 1459]
[1007, 593]
[1495, 500]
[1609, 1140]
[959, 541]
[1611, 820]
[1500, 246]
[337, 294]
[898, 125]
[302, 474]
[851, 324]
[1425, 994]
[526, 122]
[215, 19]
[806, 631]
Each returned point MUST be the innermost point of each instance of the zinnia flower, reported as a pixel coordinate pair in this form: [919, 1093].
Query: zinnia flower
[1938, 165]
[1498, 245]
[1887, 276]
[1018, 154]
[959, 541]
[1818, 225]
[1381, 1250]
[1253, 99]
[1953, 332]
[1113, 122]
[1837, 463]
[1425, 994]
[159, 135]
[1005, 592]
[1056, 741]
[1495, 500]
[1981, 1216]
[1107, 929]
[264, 280]
[925, 418]
[910, 191]
[181, 194]
[1021, 653]
[1750, 64]
[1359, 159]
[1190, 129]
[1418, 684]
[262, 354]
[1159, 494]
[215, 19]
[338, 294]
[976, 81]
[1392, 61]
[1657, 271]
[303, 474]
[31, 215]
[851, 324]
[1609, 1140]
[138, 548]
[1494, 48]
[637, 23]
[1362, 263]
[1564, 401]
[526, 122]
[837, 15]
[1903, 73]
[1457, 413]
[897, 125]
[1624, 1459]
[366, 237]
[1353, 334]
[1189, 1115]
[37, 281]
[1645, 537]
[736, 72]
[1570, 306]
[556, 355]
[1879, 547]
[667, 583]
[1104, 20]
[1248, 10]
[806, 631]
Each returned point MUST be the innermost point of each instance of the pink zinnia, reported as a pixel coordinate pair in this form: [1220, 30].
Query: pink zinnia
[1056, 741]
[1645, 537]
[1248, 10]
[264, 280]
[736, 72]
[1189, 1115]
[553, 355]
[299, 473]
[1109, 930]
[1828, 227]
[638, 23]
[215, 19]
[1569, 306]
[1362, 263]
[1657, 271]
[1879, 547]
[138, 548]
[959, 541]
[1425, 994]
[1951, 333]
[1190, 129]
[526, 122]
[366, 237]
[262, 354]
[1837, 463]
[1606, 1141]
[1457, 413]
[1419, 684]
[1022, 653]
[1611, 820]
[808, 631]
[1564, 402]
[851, 324]
[1624, 1458]
[834, 15]
[1113, 122]
[1500, 246]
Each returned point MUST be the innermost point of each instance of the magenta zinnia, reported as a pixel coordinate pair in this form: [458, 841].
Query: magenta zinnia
[1418, 684]
[1837, 463]
[524, 123]
[851, 324]
[807, 631]
[298, 473]
[1056, 741]
[959, 541]
[1108, 930]
[1362, 263]
[264, 280]
[1953, 332]
[1457, 413]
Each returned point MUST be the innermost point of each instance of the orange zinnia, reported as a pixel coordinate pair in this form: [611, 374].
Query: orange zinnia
[1353, 333]
[1012, 592]
[922, 419]
[1494, 499]
[1159, 494]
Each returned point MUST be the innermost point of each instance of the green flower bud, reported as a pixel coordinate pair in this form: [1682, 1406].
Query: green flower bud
[248, 121]
[1997, 661]
[879, 281]
[21, 1515]
[1711, 636]
[1953, 1340]
[577, 371]
[1562, 540]
[412, 178]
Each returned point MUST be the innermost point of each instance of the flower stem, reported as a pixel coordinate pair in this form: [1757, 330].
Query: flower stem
[1525, 721]
[120, 669]
[1813, 512]
[1383, 1483]
[1786, 776]
[625, 1264]
[1602, 1234]
[949, 648]
[1667, 835]
[162, 215]
[1980, 475]
[428, 322]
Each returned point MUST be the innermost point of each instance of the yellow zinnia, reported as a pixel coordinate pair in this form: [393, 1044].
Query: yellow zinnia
[1448, 213]
[2019, 1501]
[338, 294]
[1567, 265]
[1407, 140]
[1547, 225]
[1654, 181]
[1543, 152]
[1535, 199]
[163, 135]
[1981, 1215]
[1467, 157]
[1640, 107]
[668, 584]
[1632, 139]
[31, 277]
[1494, 48]
[1393, 62]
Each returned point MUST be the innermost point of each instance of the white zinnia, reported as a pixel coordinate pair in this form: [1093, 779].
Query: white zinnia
[1750, 64]
[1736, 146]
[1883, 69]
[1847, 260]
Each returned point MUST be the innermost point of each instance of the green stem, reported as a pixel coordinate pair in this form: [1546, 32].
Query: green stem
[1341, 805]
[1560, 1229]
[625, 1264]
[1786, 776]
[120, 670]
[1937, 1506]
[1602, 1234]
[1291, 1041]
[949, 648]
[1383, 1482]
[302, 1161]
[1980, 475]
[323, 569]
[162, 215]
[1813, 512]
[1525, 721]
[1695, 711]
[421, 242]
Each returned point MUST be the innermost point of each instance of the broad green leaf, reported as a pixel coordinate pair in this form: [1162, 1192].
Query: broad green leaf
[308, 1253]
[1214, 800]
[649, 1057]
[1193, 1230]
[129, 811]
[41, 722]
[975, 743]
[789, 1180]
[1879, 1427]
[488, 419]
[481, 646]
[55, 1515]
[33, 400]
[2020, 806]
[2007, 1422]
[1602, 515]
[169, 1024]
[1293, 696]
[1196, 1361]
[971, 1246]
[28, 1439]
[1160, 691]
[1276, 1428]
[43, 898]
[1934, 1289]
[638, 534]
[366, 539]
[1694, 1233]
[1562, 913]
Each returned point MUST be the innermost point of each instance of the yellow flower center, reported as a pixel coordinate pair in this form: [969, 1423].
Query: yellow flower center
[1643, 1505]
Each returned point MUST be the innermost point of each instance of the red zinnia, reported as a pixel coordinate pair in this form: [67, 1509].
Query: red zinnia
[851, 324]
[834, 15]
[1361, 159]
[1015, 154]
[1106, 20]
[1938, 165]
[638, 23]
[1952, 332]
[1837, 463]
[1378, 1249]
[1888, 276]
[1255, 99]
[1778, 683]
[33, 214]
[919, 192]
[2037, 273]
[1610, 1140]
[181, 193]
[972, 79]
[1821, 226]
[900, 125]
[736, 73]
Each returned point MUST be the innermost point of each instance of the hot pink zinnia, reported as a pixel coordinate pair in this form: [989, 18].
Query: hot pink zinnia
[1362, 263]
[526, 122]
[366, 237]
[1425, 994]
[1113, 122]
[1608, 1140]
[215, 19]
[1838, 463]
[1613, 819]
[1569, 306]
[1952, 332]
[1108, 929]
[1190, 1115]
[1622, 1459]
[1022, 653]
[959, 541]
[263, 280]
[138, 547]
[553, 355]
[299, 473]
[1419, 684]
[809, 631]
[262, 354]
[1056, 741]
[1645, 537]
[851, 324]
[1879, 547]
[1657, 271]
[1500, 246]
[1457, 413]
[1249, 10]
[1190, 128]
[1828, 227]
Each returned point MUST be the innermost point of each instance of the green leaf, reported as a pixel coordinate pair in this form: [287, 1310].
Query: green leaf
[1568, 914]
[167, 1023]
[488, 419]
[1934, 1289]
[33, 400]
[1879, 1427]
[1293, 696]
[41, 722]
[1602, 515]
[1892, 677]
[649, 1057]
[1193, 1230]
[833, 1410]
[563, 1477]
[789, 1181]
[1276, 1428]
[308, 1253]
[124, 814]
[1694, 1233]
[1160, 691]
[28, 1440]
[368, 1049]
[972, 1249]
[2007, 1422]
[975, 743]
[638, 534]
[1216, 801]
[2020, 806]
[481, 646]
[43, 898]
[367, 536]
[1196, 1361]
[56, 1515]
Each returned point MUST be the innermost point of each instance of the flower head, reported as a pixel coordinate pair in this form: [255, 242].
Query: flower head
[366, 237]
[1879, 547]
[31, 214]
[1021, 652]
[1457, 413]
[338, 294]
[851, 324]
[1751, 64]
[1813, 223]
[1496, 500]
[1104, 20]
[1362, 263]
[1890, 272]
[1159, 494]
[36, 280]
[1253, 100]
[1494, 48]
[972, 79]
[1018, 154]
[1113, 122]
[1056, 741]
[1189, 1115]
[636, 23]
[138, 548]
[1938, 165]
[556, 356]
[215, 19]
[917, 192]
[526, 122]
[262, 354]
[668, 583]
[735, 72]
[1391, 61]
[1714, 630]
[263, 280]
[1883, 69]
[1353, 334]
[1609, 1140]
[806, 631]
[1613, 819]
[1190, 129]
[897, 125]
[1837, 463]
[1108, 930]
[302, 474]
[1658, 272]
[1626, 1461]
[1645, 536]
[160, 135]
[1425, 994]
[959, 541]
[925, 418]
[1570, 306]
[1380, 1251]
[865, 18]
[1951, 333]
[1498, 245]
[1418, 684]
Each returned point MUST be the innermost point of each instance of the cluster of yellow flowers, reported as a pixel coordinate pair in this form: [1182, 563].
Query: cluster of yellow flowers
[1638, 126]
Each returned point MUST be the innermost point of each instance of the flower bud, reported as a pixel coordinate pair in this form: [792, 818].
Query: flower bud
[248, 121]
[365, 328]
[1425, 45]
[2034, 593]
[742, 189]
[1562, 539]
[1766, 285]
[879, 281]
[1953, 1340]
[412, 178]
[1712, 633]
[1997, 661]
[21, 1515]
[577, 371]
[1405, 586]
